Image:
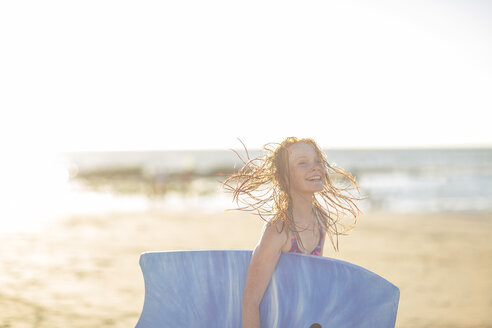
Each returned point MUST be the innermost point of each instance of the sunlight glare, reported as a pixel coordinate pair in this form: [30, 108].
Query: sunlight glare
[34, 186]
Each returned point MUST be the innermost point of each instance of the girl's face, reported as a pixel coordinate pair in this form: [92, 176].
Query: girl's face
[306, 169]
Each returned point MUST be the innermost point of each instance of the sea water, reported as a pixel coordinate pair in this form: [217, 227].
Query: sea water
[401, 180]
[35, 188]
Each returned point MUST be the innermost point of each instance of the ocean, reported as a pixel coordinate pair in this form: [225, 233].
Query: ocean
[400, 180]
[38, 189]
[41, 189]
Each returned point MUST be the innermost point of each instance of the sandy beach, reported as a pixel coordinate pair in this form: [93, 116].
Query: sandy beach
[84, 272]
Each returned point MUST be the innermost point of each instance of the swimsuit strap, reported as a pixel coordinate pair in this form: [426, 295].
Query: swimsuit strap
[316, 251]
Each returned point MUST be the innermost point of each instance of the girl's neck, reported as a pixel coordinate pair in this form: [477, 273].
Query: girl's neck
[302, 209]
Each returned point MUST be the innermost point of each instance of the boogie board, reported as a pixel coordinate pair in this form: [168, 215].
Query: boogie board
[205, 289]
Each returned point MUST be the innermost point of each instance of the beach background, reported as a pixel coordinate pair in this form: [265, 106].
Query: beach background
[117, 119]
[70, 246]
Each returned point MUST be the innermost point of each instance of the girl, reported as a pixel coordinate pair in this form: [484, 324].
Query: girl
[291, 188]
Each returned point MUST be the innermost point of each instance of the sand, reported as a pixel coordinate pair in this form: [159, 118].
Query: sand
[83, 271]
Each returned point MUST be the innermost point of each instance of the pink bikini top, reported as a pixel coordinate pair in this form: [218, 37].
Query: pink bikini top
[317, 251]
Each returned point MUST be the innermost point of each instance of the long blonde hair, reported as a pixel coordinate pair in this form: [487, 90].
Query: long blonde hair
[261, 186]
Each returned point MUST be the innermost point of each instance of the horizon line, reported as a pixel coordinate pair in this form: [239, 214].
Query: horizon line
[348, 148]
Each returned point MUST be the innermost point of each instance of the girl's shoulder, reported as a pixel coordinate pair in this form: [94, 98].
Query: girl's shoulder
[276, 233]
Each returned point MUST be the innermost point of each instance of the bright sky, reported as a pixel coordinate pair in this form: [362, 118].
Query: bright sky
[128, 75]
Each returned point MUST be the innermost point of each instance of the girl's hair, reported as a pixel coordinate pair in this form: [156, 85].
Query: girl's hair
[262, 186]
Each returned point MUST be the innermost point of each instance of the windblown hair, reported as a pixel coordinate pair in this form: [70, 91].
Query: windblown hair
[262, 186]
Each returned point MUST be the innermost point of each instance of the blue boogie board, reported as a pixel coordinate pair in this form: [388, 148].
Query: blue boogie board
[205, 288]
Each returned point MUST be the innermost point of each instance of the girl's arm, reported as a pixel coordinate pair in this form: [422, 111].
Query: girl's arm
[263, 262]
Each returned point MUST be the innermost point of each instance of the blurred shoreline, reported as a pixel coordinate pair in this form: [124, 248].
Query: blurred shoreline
[397, 180]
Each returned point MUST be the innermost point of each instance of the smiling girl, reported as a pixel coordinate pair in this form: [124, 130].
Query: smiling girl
[301, 197]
